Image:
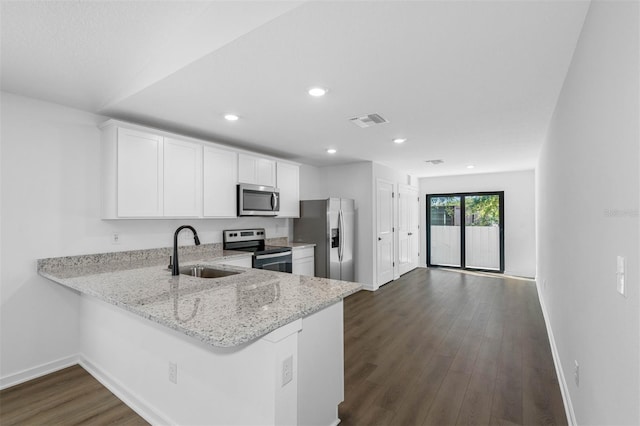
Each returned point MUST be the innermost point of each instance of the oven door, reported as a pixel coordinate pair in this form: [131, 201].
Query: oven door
[256, 200]
[281, 262]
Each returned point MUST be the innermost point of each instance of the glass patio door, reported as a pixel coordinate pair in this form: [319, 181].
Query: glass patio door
[466, 230]
[445, 230]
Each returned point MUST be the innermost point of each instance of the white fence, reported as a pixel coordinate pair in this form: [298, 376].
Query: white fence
[482, 246]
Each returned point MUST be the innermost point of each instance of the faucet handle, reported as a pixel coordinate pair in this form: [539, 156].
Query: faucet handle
[170, 263]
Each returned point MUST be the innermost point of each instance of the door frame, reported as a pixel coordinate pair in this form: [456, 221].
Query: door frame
[414, 209]
[394, 275]
[462, 195]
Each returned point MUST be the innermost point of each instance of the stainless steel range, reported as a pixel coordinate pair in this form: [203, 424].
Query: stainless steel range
[274, 258]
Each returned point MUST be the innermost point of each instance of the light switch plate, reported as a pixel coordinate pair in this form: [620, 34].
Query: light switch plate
[620, 275]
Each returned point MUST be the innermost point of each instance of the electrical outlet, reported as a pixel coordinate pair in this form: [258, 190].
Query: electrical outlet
[287, 370]
[173, 372]
[576, 373]
[115, 238]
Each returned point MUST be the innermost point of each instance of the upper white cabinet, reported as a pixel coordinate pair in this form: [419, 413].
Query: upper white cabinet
[256, 170]
[133, 173]
[288, 178]
[182, 178]
[220, 178]
[148, 173]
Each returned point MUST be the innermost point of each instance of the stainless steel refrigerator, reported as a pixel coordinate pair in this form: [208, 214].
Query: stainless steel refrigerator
[330, 224]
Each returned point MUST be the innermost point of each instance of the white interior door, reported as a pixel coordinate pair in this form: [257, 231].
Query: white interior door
[384, 210]
[414, 226]
[408, 210]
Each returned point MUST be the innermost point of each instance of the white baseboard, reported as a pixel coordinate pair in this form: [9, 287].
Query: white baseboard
[136, 403]
[520, 274]
[368, 287]
[133, 401]
[564, 389]
[35, 372]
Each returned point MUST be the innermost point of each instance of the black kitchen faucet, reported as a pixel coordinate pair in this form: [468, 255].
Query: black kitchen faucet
[175, 270]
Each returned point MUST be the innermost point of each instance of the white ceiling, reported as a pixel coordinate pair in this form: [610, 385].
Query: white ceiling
[465, 82]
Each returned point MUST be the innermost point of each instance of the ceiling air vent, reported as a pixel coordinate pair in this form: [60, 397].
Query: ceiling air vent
[434, 162]
[368, 120]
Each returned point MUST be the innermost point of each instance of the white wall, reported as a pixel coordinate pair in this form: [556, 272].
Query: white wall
[311, 184]
[519, 213]
[588, 213]
[50, 206]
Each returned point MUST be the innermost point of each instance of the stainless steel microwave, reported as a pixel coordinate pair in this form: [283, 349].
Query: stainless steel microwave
[258, 200]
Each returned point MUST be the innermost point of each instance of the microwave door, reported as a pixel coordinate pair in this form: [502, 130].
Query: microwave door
[257, 202]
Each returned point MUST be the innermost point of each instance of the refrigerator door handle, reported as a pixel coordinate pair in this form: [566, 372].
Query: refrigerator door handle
[341, 234]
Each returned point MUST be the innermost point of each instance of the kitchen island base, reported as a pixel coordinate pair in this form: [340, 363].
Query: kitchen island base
[139, 360]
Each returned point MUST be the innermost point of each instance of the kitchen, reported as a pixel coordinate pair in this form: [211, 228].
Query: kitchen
[51, 154]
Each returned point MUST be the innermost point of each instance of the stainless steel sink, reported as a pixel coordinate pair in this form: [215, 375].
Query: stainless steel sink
[206, 272]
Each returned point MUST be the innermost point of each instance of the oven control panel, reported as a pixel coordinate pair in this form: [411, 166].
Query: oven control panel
[237, 235]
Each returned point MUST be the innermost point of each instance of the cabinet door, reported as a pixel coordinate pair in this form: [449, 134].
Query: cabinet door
[140, 174]
[304, 266]
[220, 178]
[182, 178]
[266, 172]
[256, 170]
[304, 261]
[288, 183]
[247, 169]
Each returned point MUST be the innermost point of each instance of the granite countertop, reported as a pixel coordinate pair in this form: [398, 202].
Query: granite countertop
[300, 245]
[223, 312]
[285, 242]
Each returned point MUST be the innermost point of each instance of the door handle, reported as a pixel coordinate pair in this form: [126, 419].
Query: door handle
[410, 233]
[341, 235]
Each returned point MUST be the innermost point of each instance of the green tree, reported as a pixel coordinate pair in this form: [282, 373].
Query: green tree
[482, 210]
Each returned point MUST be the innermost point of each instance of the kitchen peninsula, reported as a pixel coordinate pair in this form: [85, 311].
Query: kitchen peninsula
[253, 347]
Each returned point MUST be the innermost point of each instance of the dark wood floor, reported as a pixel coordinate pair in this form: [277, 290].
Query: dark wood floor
[432, 348]
[67, 397]
[441, 348]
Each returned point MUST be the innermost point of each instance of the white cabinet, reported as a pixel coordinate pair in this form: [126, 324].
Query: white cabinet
[303, 261]
[148, 173]
[220, 178]
[256, 170]
[182, 178]
[137, 184]
[288, 178]
[321, 366]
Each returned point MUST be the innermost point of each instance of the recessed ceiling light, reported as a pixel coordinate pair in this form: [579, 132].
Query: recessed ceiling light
[470, 166]
[231, 117]
[399, 140]
[317, 91]
[331, 151]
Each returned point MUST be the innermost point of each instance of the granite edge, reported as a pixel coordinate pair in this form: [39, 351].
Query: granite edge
[150, 257]
[225, 342]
